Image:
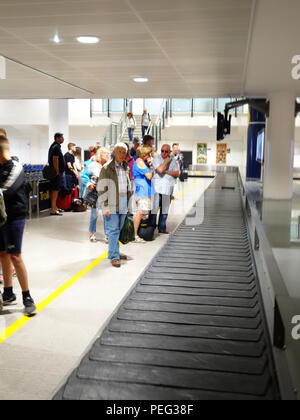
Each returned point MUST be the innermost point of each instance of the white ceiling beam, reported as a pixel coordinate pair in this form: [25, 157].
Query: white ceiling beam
[2, 68]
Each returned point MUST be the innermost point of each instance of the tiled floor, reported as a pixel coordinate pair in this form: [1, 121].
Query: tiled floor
[36, 358]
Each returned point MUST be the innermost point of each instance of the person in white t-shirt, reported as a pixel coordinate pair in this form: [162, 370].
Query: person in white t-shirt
[146, 120]
[131, 125]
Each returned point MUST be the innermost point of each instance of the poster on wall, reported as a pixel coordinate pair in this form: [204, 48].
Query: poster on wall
[221, 153]
[202, 153]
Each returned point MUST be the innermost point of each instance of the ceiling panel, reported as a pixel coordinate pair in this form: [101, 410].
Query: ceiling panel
[177, 44]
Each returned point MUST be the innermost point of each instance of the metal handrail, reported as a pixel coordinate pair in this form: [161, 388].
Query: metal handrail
[115, 130]
[156, 126]
[123, 119]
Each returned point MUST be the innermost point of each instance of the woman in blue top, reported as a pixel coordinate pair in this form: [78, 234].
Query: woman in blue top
[143, 173]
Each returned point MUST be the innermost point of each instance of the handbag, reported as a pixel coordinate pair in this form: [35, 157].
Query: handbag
[49, 173]
[3, 215]
[91, 198]
[127, 232]
[78, 205]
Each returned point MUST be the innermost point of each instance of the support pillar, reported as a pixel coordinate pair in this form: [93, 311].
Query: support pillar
[279, 147]
[58, 118]
[256, 123]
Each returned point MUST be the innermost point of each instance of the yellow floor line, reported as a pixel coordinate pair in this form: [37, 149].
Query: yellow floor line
[9, 331]
[184, 191]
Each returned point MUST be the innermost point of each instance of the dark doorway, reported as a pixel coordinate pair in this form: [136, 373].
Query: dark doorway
[87, 155]
[187, 159]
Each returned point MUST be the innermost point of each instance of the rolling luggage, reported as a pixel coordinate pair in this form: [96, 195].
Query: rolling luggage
[65, 202]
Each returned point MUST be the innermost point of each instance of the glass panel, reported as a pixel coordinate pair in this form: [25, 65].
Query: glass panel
[153, 106]
[203, 105]
[116, 105]
[182, 105]
[221, 102]
[104, 105]
[97, 105]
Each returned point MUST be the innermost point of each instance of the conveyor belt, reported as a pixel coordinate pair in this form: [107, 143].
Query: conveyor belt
[193, 326]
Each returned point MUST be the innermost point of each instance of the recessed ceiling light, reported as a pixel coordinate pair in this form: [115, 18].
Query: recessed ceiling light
[88, 39]
[141, 79]
[56, 39]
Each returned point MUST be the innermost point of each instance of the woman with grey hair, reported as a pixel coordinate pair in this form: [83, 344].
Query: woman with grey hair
[101, 157]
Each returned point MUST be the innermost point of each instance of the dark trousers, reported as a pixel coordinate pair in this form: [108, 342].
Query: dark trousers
[144, 129]
[161, 202]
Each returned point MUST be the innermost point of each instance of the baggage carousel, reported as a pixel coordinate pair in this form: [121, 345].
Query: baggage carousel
[193, 327]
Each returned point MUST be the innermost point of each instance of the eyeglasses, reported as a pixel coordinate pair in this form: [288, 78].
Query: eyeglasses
[165, 151]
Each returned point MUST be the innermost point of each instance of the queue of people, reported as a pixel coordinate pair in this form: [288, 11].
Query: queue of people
[138, 180]
[154, 179]
[135, 179]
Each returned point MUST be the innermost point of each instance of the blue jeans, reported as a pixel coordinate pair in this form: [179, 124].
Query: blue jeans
[144, 129]
[130, 134]
[93, 221]
[162, 202]
[114, 224]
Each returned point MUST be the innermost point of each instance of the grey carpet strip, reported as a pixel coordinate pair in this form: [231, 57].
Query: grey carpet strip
[192, 327]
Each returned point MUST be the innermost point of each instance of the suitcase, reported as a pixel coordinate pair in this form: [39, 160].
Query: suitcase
[65, 203]
[75, 193]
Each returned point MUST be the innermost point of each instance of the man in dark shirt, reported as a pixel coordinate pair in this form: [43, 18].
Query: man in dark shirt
[56, 160]
[12, 181]
[70, 170]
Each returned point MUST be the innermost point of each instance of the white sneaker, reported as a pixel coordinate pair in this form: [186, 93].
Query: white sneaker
[139, 240]
[93, 238]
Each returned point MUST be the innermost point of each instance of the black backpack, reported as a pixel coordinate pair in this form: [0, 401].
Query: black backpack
[49, 173]
[146, 232]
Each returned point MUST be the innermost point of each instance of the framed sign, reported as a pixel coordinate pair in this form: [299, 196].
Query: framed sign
[221, 154]
[202, 153]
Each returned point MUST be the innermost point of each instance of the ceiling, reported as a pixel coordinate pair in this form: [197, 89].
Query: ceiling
[187, 48]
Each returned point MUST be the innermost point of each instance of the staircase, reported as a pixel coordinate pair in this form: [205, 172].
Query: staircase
[137, 132]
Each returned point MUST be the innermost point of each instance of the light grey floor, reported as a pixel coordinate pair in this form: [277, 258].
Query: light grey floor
[36, 358]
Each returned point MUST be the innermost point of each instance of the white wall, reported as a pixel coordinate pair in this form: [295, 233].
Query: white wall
[190, 135]
[24, 112]
[26, 122]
